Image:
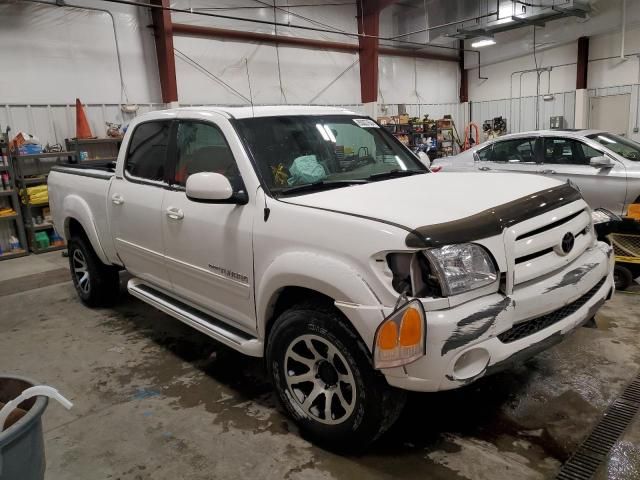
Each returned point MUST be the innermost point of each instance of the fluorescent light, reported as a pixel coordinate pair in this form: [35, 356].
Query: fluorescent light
[483, 43]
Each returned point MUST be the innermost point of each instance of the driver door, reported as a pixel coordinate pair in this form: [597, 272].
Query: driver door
[568, 159]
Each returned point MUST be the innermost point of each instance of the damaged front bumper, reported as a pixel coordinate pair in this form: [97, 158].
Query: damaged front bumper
[492, 332]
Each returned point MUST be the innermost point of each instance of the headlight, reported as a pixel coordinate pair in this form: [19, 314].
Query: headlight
[400, 338]
[601, 215]
[462, 267]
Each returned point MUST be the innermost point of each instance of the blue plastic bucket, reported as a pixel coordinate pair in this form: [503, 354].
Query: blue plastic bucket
[22, 444]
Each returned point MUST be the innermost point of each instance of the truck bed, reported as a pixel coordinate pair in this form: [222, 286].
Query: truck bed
[81, 191]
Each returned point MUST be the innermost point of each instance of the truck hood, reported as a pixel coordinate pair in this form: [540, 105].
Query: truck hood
[423, 201]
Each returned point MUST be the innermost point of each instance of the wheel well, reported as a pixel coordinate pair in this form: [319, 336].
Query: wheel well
[74, 228]
[287, 297]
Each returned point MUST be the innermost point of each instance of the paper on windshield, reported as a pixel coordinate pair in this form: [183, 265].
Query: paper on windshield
[365, 123]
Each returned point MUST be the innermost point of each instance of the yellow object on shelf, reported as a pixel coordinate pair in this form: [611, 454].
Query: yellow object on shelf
[38, 195]
[7, 212]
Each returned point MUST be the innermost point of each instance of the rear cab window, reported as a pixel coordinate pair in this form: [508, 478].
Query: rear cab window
[147, 152]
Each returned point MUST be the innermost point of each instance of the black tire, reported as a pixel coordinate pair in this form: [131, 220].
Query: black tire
[371, 407]
[102, 285]
[622, 277]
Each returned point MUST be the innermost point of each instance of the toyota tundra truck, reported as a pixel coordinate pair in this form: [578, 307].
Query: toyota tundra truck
[311, 237]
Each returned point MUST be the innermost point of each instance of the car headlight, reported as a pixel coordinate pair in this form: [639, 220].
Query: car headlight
[462, 267]
[602, 215]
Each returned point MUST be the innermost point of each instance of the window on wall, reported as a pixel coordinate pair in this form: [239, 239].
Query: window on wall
[520, 150]
[201, 147]
[148, 150]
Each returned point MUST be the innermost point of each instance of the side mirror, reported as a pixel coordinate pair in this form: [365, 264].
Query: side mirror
[424, 158]
[214, 188]
[601, 162]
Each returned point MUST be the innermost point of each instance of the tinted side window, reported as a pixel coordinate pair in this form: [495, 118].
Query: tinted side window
[484, 155]
[589, 152]
[565, 151]
[201, 147]
[148, 150]
[520, 150]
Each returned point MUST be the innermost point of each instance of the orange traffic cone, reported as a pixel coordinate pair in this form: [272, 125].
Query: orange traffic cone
[82, 125]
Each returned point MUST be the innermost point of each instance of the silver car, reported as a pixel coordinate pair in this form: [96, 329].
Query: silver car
[606, 167]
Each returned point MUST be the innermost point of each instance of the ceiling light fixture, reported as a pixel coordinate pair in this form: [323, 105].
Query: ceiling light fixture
[483, 43]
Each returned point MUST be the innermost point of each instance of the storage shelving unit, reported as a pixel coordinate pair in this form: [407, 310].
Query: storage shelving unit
[33, 170]
[105, 149]
[445, 137]
[9, 198]
[416, 133]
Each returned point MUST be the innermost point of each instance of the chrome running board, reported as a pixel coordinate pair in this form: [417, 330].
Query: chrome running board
[214, 328]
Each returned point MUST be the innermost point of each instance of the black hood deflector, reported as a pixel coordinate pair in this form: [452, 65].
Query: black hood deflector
[492, 221]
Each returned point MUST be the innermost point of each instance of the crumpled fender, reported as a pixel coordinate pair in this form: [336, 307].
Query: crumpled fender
[322, 273]
[75, 207]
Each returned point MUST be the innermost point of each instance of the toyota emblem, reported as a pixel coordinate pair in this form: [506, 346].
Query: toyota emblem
[567, 242]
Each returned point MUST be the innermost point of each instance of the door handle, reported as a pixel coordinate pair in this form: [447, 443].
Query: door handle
[547, 172]
[174, 213]
[117, 199]
[484, 169]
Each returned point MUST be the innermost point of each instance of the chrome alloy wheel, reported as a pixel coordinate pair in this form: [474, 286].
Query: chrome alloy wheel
[81, 271]
[319, 379]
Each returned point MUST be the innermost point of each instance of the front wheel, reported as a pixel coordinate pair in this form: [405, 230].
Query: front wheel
[97, 284]
[324, 379]
[622, 277]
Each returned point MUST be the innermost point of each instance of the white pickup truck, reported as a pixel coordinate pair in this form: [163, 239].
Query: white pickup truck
[311, 237]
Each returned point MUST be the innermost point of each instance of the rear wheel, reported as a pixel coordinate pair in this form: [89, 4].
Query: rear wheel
[324, 379]
[622, 277]
[97, 284]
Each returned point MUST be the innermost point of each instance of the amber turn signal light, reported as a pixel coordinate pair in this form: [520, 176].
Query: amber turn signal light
[400, 338]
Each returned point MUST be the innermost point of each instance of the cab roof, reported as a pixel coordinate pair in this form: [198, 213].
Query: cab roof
[272, 111]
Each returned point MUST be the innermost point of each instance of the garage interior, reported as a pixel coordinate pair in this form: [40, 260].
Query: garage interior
[154, 398]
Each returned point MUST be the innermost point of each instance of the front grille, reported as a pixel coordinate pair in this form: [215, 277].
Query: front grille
[549, 226]
[534, 248]
[530, 327]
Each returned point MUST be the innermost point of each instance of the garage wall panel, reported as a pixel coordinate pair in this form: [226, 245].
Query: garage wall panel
[54, 54]
[521, 112]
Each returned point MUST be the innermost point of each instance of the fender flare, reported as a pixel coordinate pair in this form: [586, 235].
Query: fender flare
[322, 273]
[76, 208]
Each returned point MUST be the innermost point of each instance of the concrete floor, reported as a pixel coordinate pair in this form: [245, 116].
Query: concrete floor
[155, 399]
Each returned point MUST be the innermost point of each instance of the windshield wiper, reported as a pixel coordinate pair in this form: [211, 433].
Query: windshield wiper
[395, 173]
[318, 186]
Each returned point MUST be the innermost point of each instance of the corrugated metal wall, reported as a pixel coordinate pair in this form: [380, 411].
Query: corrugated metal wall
[521, 112]
[53, 123]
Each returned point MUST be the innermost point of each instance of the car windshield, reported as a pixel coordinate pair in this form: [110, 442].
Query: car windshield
[617, 144]
[296, 154]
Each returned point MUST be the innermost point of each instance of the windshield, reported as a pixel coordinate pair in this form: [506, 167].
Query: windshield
[622, 146]
[302, 153]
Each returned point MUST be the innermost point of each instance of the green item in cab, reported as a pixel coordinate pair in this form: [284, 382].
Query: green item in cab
[306, 169]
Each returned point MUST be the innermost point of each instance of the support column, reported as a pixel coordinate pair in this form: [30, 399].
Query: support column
[163, 31]
[464, 79]
[582, 94]
[368, 24]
